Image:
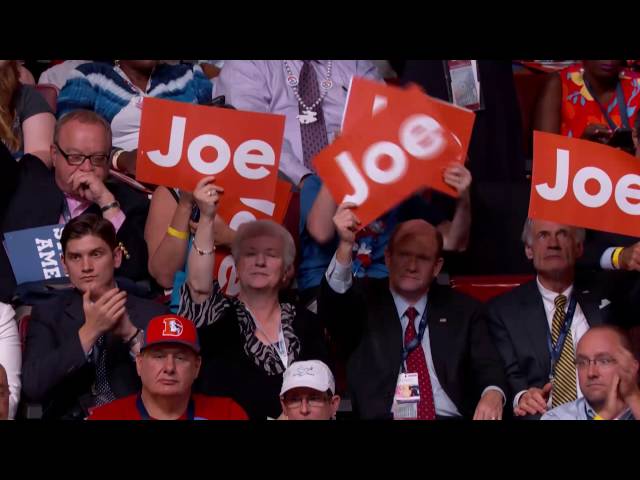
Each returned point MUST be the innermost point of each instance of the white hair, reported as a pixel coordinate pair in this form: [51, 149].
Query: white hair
[578, 233]
[268, 228]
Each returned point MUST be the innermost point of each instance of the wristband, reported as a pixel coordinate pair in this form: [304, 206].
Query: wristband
[615, 257]
[114, 159]
[177, 233]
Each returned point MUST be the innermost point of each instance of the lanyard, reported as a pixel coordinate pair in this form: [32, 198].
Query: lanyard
[144, 415]
[622, 105]
[556, 350]
[413, 344]
[280, 347]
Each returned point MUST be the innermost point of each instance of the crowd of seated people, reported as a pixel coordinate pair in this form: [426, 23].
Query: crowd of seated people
[331, 317]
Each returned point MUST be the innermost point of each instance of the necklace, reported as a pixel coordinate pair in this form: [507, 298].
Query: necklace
[309, 114]
[279, 345]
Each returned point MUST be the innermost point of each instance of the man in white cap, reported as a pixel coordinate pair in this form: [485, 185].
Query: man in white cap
[308, 392]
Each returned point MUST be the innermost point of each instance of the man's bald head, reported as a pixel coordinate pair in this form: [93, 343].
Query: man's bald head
[413, 228]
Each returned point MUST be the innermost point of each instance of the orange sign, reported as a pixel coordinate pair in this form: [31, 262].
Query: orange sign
[181, 142]
[586, 184]
[238, 210]
[382, 160]
[367, 98]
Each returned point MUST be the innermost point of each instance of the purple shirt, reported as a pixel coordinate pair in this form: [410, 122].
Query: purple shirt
[260, 86]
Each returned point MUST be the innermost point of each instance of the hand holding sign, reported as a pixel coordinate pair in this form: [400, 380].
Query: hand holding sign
[207, 195]
[407, 144]
[346, 223]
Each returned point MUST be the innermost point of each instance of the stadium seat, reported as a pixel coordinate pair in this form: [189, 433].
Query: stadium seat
[484, 288]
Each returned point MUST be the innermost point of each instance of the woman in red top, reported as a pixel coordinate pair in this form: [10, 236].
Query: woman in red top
[584, 100]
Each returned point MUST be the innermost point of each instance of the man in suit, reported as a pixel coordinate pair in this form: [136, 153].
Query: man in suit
[537, 326]
[81, 346]
[77, 184]
[391, 330]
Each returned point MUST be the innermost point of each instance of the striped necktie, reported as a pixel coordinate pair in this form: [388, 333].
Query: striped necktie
[564, 374]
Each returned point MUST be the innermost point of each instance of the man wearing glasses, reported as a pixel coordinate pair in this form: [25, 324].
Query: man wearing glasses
[78, 184]
[608, 378]
[308, 392]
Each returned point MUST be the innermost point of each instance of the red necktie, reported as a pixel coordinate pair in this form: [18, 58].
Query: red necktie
[416, 362]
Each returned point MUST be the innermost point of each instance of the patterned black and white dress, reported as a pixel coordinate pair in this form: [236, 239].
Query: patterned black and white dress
[235, 362]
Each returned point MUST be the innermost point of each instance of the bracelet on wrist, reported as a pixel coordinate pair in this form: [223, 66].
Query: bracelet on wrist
[114, 159]
[111, 205]
[203, 252]
[133, 337]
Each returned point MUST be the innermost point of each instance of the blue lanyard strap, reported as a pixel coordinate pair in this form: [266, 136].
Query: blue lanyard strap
[556, 350]
[413, 344]
[622, 105]
[144, 415]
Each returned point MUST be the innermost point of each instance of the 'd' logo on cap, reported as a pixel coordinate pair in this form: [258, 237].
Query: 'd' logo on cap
[172, 327]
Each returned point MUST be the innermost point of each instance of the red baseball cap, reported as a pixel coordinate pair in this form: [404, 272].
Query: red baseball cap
[171, 329]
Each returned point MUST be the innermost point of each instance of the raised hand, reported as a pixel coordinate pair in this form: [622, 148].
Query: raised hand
[207, 195]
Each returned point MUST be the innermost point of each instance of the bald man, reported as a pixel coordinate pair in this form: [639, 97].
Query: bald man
[415, 350]
[608, 378]
[4, 394]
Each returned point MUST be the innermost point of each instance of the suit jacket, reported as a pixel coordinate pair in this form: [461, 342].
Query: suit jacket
[518, 324]
[366, 327]
[56, 371]
[37, 201]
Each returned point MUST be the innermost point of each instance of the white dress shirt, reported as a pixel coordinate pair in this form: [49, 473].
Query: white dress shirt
[11, 355]
[579, 326]
[340, 279]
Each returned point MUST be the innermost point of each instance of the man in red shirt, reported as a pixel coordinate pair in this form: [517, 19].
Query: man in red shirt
[168, 363]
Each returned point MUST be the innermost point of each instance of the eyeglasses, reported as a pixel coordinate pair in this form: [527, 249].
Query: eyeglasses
[582, 363]
[316, 401]
[97, 159]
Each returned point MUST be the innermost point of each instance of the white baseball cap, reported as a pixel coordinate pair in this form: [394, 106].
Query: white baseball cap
[311, 374]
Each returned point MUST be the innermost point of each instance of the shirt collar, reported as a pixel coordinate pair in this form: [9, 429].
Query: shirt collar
[550, 295]
[402, 304]
[590, 411]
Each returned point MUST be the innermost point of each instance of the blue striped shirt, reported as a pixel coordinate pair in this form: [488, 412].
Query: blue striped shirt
[99, 87]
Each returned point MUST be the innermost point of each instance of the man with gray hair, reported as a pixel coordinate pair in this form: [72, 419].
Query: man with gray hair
[537, 326]
[77, 184]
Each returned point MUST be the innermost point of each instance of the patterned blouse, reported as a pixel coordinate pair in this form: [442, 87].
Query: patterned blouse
[579, 109]
[218, 305]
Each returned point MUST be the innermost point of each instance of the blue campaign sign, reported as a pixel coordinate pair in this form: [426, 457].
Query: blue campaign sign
[34, 253]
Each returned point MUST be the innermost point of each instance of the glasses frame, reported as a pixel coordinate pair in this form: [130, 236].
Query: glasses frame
[295, 404]
[66, 156]
[601, 362]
